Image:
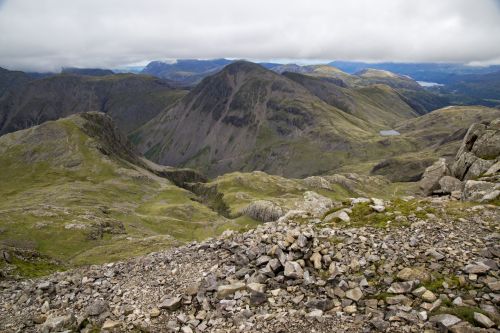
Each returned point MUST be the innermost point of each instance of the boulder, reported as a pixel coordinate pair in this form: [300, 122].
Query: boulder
[264, 211]
[340, 215]
[449, 184]
[479, 151]
[430, 179]
[315, 204]
[477, 190]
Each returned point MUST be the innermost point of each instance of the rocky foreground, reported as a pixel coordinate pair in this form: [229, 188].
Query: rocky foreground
[432, 269]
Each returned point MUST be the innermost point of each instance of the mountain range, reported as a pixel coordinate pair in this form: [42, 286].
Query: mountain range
[98, 166]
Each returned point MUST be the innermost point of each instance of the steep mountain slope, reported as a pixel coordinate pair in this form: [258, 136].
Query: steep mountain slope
[74, 191]
[377, 104]
[248, 118]
[131, 100]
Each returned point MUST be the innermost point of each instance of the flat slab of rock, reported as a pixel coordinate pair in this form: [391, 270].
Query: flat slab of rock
[229, 289]
[171, 304]
[483, 320]
[446, 320]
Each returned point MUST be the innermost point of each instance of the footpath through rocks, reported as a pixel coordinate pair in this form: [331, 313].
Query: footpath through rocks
[435, 272]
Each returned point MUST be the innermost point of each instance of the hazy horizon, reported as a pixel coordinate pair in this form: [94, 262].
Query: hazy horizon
[46, 35]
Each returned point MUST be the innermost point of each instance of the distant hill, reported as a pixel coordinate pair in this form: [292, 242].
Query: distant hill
[418, 98]
[130, 99]
[473, 89]
[430, 72]
[87, 71]
[185, 71]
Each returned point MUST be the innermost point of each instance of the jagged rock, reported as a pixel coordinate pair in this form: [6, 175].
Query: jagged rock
[293, 270]
[171, 304]
[483, 320]
[430, 179]
[449, 184]
[264, 211]
[229, 289]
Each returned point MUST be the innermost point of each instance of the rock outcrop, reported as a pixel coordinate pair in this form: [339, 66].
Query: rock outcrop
[475, 173]
[264, 211]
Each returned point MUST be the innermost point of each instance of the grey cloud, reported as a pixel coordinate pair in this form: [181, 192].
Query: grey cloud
[48, 34]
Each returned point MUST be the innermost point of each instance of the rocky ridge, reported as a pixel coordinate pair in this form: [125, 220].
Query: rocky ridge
[475, 173]
[435, 272]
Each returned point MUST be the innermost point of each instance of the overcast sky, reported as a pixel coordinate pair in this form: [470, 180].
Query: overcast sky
[49, 34]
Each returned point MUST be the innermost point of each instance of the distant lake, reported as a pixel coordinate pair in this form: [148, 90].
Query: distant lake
[428, 84]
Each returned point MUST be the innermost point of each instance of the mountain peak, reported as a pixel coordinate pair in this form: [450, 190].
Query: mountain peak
[243, 66]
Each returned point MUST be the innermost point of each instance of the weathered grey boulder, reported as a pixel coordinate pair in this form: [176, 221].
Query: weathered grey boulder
[315, 204]
[430, 179]
[480, 191]
[264, 211]
[479, 151]
[449, 184]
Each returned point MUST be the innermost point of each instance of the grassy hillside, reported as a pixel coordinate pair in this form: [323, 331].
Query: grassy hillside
[68, 198]
[425, 139]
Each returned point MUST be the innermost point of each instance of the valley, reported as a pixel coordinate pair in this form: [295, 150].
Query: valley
[299, 193]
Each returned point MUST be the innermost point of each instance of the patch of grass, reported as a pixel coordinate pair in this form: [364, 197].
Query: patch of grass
[35, 268]
[463, 312]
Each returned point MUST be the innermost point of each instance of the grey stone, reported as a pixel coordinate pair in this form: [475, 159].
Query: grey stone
[171, 304]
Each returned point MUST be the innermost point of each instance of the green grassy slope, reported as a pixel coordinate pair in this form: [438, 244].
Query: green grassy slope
[68, 199]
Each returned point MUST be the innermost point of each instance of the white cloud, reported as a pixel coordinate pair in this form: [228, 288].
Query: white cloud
[48, 34]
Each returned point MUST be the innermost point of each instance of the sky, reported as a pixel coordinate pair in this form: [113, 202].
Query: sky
[45, 35]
